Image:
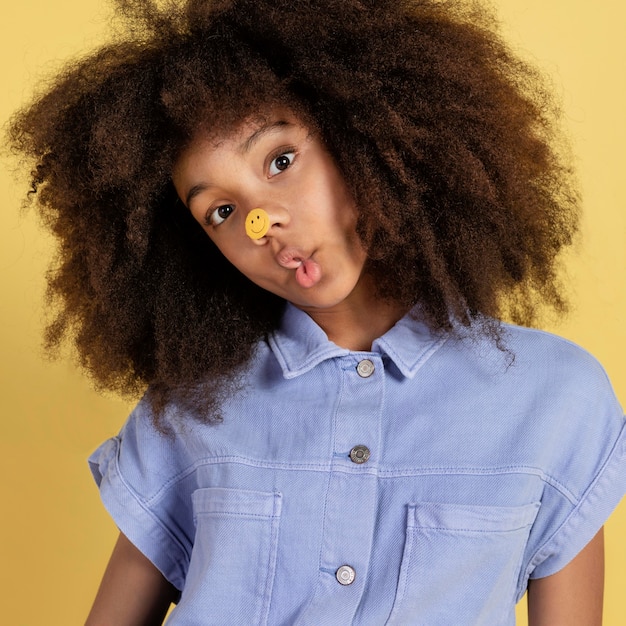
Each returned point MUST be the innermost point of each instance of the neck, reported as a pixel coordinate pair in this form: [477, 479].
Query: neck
[356, 324]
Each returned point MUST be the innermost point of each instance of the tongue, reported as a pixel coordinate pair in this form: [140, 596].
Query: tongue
[308, 273]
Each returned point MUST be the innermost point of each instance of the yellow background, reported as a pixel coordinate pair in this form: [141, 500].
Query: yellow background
[55, 534]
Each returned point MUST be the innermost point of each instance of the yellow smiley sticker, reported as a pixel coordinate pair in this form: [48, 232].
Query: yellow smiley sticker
[257, 224]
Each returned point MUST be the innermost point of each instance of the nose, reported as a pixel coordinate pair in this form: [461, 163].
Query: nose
[259, 222]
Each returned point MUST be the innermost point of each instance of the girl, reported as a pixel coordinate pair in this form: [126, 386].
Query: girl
[299, 224]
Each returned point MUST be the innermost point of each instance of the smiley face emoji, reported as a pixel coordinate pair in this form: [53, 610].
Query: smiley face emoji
[257, 223]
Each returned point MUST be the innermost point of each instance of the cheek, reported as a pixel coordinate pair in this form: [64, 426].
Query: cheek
[219, 244]
[226, 237]
[234, 254]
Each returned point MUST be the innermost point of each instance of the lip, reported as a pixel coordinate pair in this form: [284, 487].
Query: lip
[290, 258]
[308, 272]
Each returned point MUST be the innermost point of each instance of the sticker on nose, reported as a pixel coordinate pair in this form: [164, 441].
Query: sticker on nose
[257, 224]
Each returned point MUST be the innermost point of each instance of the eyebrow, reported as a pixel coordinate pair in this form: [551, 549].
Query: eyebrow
[260, 132]
[195, 191]
[244, 147]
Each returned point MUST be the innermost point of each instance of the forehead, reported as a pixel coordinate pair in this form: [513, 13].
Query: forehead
[244, 133]
[241, 137]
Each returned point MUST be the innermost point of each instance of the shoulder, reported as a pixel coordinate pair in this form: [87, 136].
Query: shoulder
[541, 398]
[571, 412]
[535, 361]
[554, 363]
[533, 342]
[143, 457]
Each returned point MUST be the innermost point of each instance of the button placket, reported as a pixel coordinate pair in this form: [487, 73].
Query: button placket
[346, 542]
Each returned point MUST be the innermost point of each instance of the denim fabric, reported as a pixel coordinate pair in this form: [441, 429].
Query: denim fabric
[483, 471]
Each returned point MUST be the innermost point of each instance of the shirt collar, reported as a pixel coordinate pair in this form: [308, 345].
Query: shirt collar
[409, 344]
[300, 344]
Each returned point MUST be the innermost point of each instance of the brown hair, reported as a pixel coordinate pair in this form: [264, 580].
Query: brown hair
[447, 141]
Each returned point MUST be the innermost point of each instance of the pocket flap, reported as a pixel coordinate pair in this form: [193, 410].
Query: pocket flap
[471, 518]
[218, 500]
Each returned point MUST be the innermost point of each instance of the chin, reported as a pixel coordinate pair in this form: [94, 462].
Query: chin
[320, 303]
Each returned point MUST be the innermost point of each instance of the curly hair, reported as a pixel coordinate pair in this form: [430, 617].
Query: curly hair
[448, 142]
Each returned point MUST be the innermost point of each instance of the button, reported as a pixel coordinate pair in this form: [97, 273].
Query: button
[345, 575]
[365, 368]
[359, 454]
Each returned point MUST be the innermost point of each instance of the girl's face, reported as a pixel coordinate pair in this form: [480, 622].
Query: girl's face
[310, 255]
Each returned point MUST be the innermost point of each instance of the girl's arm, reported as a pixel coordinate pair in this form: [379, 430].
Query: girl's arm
[133, 592]
[572, 596]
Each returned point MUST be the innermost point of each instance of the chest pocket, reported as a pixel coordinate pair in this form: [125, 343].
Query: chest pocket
[460, 564]
[233, 561]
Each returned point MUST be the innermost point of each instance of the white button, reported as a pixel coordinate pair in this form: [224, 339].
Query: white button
[345, 575]
[365, 368]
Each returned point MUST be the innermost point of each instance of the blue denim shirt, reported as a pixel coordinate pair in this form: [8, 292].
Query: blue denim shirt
[422, 483]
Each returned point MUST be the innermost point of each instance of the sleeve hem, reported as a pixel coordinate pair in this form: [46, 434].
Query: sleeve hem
[146, 532]
[587, 517]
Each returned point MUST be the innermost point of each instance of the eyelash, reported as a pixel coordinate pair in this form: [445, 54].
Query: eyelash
[212, 217]
[289, 152]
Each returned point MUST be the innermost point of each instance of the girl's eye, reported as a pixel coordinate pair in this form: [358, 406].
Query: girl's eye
[281, 163]
[220, 214]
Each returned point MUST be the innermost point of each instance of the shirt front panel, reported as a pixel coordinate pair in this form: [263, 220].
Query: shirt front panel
[456, 505]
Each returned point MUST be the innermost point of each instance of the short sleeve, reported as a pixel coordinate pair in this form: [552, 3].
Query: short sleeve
[587, 479]
[146, 490]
